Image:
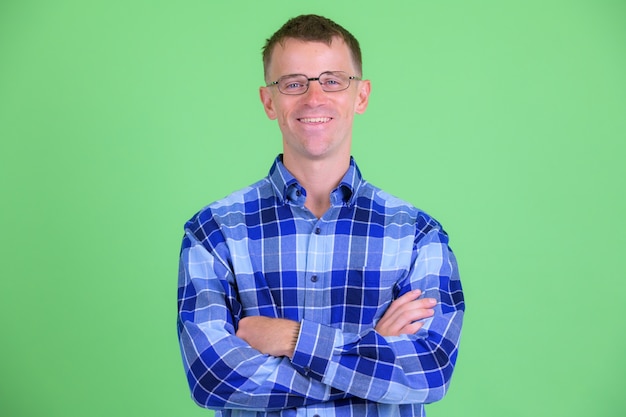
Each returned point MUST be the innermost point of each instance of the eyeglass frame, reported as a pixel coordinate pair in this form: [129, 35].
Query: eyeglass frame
[308, 82]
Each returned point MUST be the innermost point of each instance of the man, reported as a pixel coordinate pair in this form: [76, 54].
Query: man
[312, 292]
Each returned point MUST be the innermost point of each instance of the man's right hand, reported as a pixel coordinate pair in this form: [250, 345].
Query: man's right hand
[404, 313]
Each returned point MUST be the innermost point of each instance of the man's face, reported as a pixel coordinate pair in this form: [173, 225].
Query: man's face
[317, 124]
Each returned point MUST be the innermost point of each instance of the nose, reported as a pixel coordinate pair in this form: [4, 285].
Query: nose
[315, 94]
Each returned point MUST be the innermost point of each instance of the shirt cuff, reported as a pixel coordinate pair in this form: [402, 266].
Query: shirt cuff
[314, 349]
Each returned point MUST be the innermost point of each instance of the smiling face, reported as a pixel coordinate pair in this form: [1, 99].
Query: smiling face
[317, 124]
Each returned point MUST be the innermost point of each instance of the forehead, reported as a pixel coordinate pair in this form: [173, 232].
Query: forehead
[294, 56]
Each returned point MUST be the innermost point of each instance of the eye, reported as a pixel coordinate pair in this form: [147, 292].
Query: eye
[334, 81]
[292, 85]
[331, 80]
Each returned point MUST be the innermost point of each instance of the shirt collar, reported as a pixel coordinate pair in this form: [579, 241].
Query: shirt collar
[288, 189]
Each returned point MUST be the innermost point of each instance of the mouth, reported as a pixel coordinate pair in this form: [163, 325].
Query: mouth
[315, 120]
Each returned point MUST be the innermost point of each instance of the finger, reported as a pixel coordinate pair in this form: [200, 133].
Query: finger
[411, 328]
[408, 316]
[396, 328]
[425, 303]
[407, 322]
[410, 310]
[392, 325]
[412, 300]
[404, 299]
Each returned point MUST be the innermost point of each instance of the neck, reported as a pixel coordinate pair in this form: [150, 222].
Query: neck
[319, 178]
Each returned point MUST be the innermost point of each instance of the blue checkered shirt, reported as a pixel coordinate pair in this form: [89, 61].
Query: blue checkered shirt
[259, 251]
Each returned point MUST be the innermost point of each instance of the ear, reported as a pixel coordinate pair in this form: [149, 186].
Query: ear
[268, 102]
[365, 88]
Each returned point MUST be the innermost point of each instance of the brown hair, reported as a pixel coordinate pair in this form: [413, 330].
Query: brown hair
[312, 28]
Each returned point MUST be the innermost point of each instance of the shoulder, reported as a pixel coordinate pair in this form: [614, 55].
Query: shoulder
[396, 210]
[230, 210]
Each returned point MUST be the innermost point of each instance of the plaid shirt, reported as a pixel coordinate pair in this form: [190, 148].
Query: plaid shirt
[261, 252]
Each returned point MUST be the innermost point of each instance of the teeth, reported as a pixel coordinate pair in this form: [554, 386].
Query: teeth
[315, 119]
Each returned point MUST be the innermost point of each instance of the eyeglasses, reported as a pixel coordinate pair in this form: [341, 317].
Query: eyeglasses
[331, 81]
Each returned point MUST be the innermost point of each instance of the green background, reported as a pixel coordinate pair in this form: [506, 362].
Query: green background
[120, 119]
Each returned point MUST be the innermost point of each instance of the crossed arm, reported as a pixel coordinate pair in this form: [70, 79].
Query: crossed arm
[234, 361]
[278, 337]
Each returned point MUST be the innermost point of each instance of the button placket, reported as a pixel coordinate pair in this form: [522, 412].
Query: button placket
[317, 231]
[316, 264]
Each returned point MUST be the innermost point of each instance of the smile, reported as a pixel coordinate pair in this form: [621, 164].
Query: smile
[315, 119]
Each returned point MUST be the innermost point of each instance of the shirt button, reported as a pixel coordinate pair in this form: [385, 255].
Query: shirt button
[318, 230]
[314, 278]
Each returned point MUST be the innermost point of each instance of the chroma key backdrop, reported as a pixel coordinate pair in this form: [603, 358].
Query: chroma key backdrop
[119, 120]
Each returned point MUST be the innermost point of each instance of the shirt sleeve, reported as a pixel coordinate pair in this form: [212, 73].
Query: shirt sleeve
[404, 369]
[222, 370]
